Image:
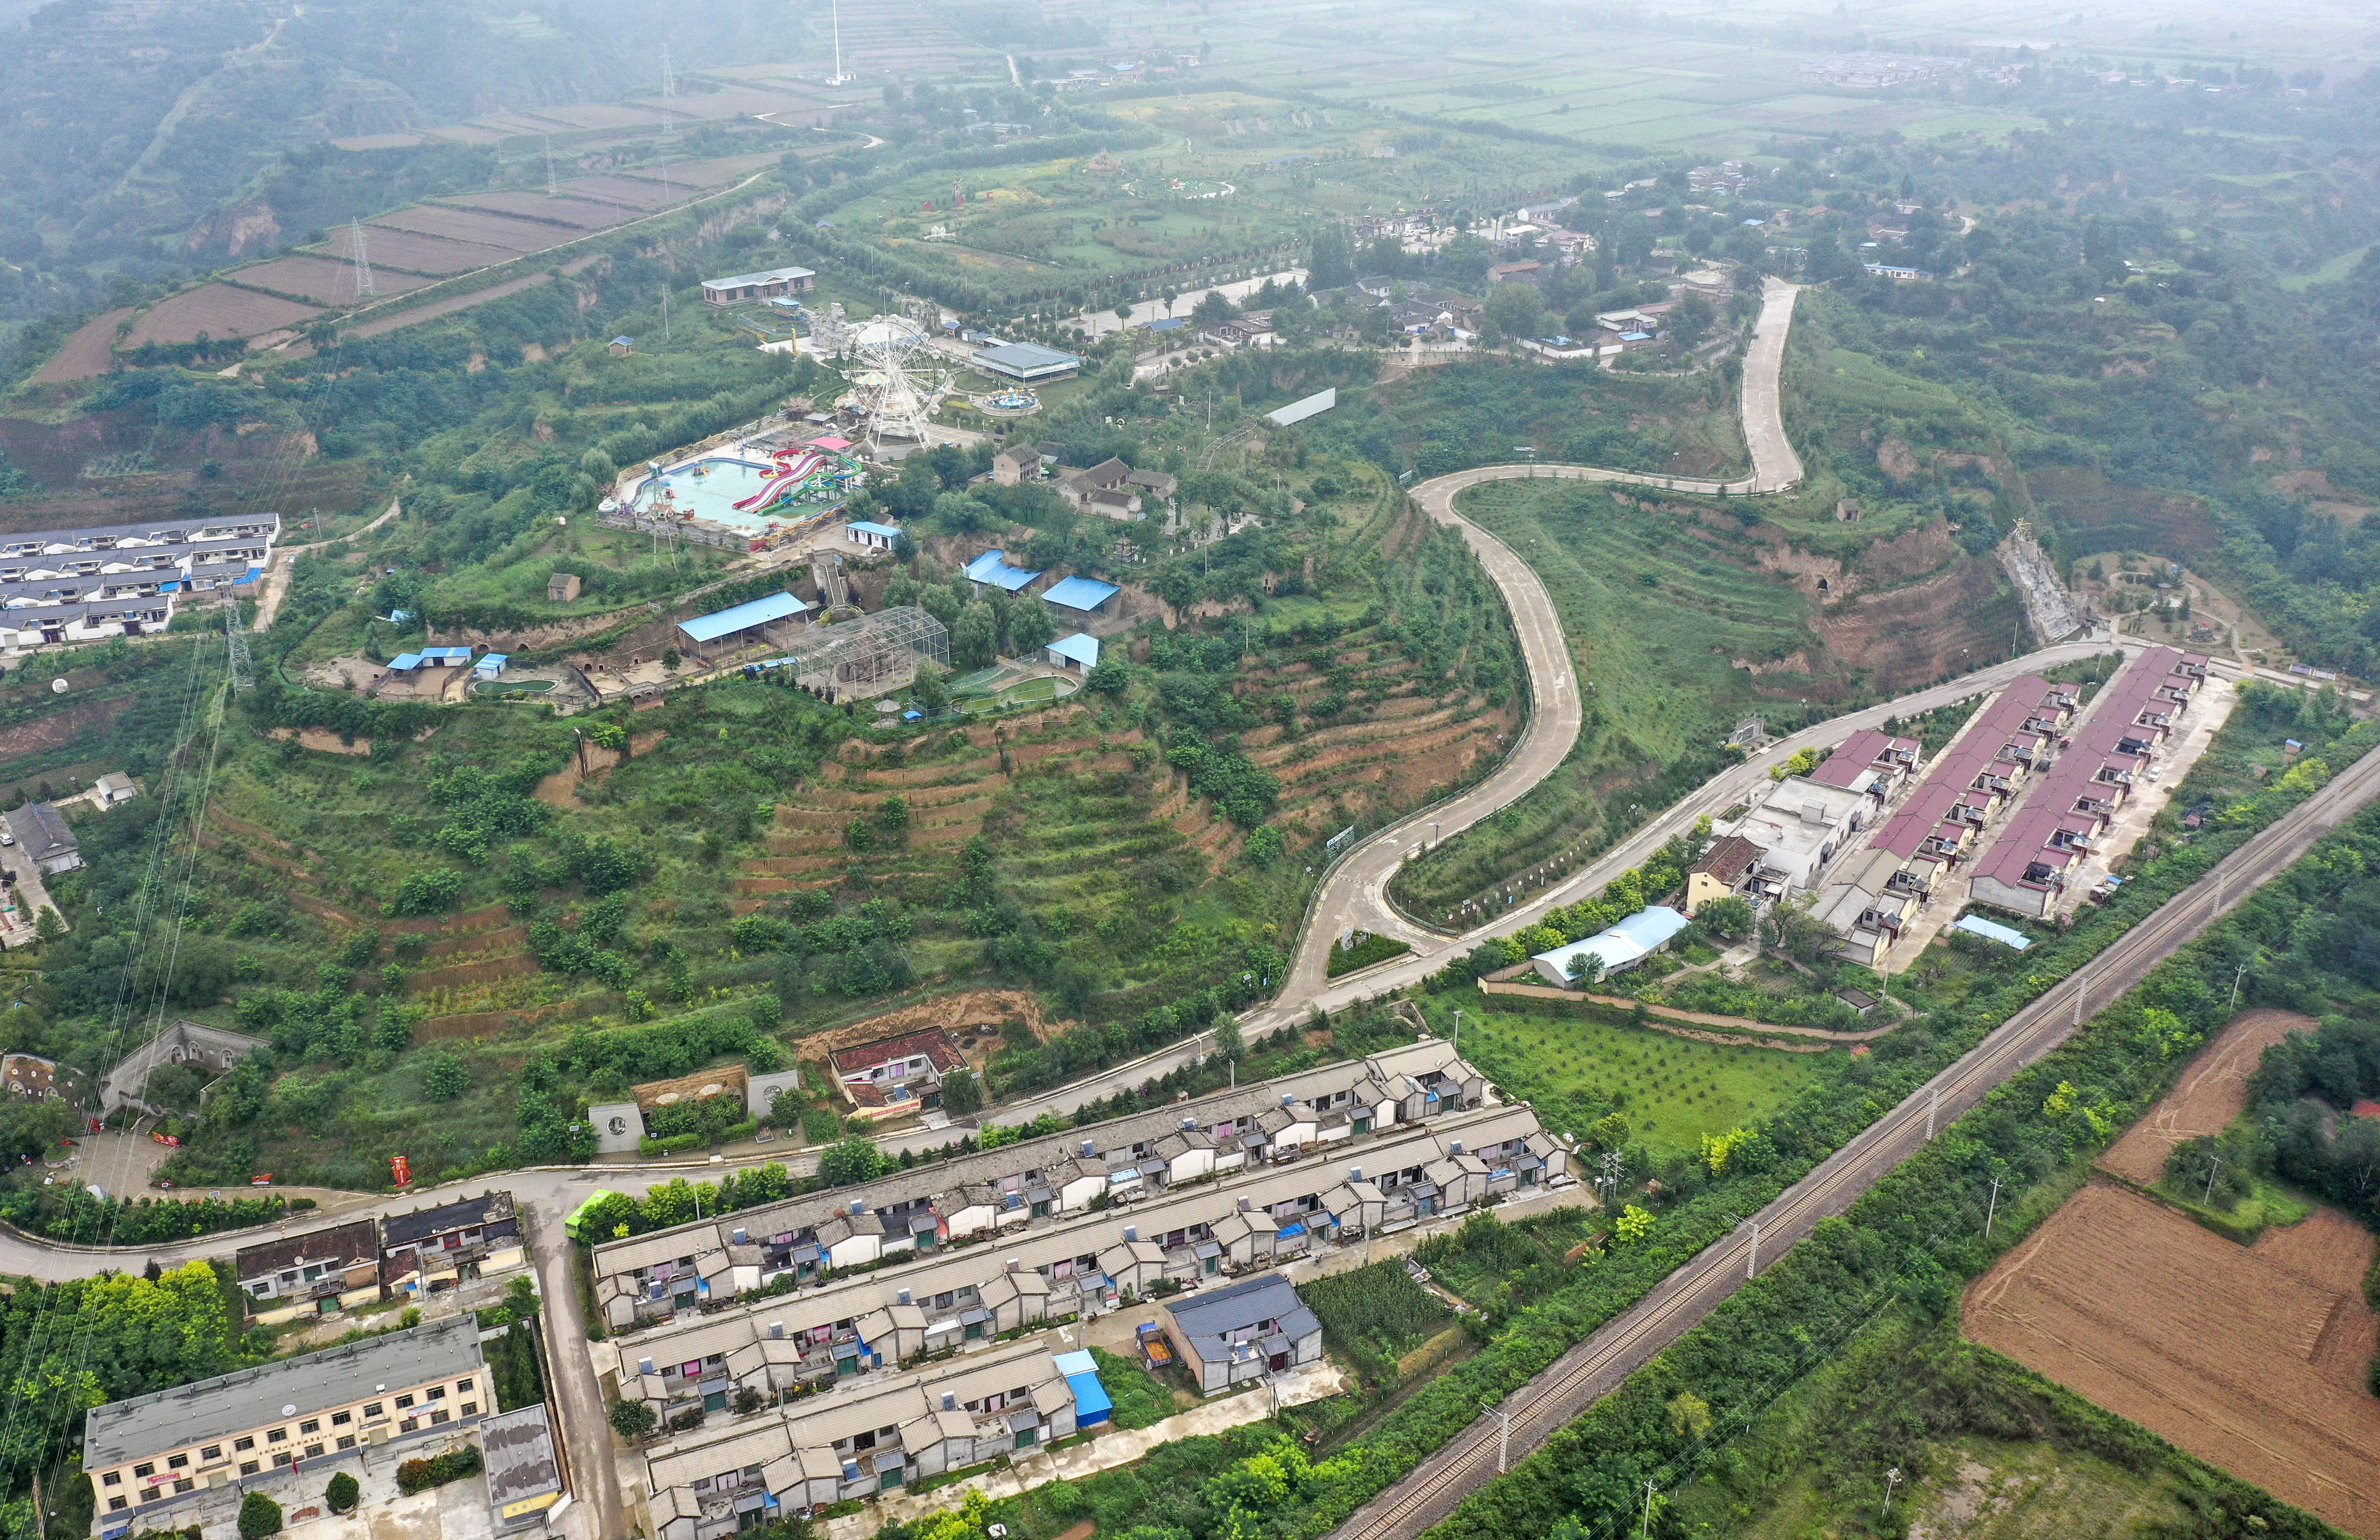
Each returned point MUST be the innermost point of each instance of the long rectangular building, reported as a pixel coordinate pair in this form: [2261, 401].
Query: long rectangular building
[914, 1213]
[2024, 870]
[1086, 1263]
[857, 1442]
[64, 585]
[152, 1458]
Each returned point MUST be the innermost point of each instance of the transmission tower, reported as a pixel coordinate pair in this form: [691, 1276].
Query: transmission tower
[243, 672]
[669, 93]
[364, 284]
[549, 166]
[840, 78]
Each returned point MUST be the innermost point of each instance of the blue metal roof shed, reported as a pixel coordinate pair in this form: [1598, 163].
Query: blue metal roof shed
[992, 567]
[1085, 594]
[1092, 1403]
[1078, 649]
[405, 662]
[742, 617]
[870, 527]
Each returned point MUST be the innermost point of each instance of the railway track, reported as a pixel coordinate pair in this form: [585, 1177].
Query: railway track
[1591, 1369]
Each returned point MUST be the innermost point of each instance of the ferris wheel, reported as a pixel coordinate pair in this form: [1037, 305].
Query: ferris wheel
[899, 379]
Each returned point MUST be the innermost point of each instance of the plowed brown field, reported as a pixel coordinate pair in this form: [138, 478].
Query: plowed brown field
[319, 279]
[2231, 1352]
[2212, 1091]
[218, 310]
[2251, 1357]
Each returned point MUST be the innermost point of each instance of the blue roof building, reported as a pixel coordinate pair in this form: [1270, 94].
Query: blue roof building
[405, 662]
[1078, 653]
[1607, 952]
[992, 568]
[868, 532]
[446, 656]
[1092, 1403]
[711, 634]
[492, 665]
[1028, 361]
[1085, 594]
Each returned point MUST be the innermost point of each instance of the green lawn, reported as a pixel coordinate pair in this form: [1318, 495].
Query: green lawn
[1674, 1090]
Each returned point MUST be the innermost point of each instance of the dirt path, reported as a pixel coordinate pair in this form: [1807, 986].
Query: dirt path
[284, 561]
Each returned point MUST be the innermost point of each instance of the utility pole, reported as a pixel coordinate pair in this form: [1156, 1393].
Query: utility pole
[2237, 973]
[1992, 1209]
[549, 166]
[1457, 1044]
[2213, 1164]
[1892, 1480]
[1644, 1533]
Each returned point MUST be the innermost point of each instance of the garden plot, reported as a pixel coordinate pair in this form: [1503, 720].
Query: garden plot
[2212, 1091]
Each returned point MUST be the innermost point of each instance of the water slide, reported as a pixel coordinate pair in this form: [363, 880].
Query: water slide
[793, 471]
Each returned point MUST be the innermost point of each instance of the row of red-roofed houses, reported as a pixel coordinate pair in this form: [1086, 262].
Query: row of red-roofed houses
[1877, 895]
[2025, 870]
[1930, 822]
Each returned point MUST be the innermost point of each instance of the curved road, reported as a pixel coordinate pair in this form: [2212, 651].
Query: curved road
[1565, 1388]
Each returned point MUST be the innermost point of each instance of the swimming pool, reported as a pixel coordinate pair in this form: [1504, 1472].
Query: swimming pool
[710, 489]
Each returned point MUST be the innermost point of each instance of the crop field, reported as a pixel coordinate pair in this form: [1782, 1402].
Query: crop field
[631, 190]
[320, 279]
[714, 173]
[1494, 1263]
[1674, 1090]
[478, 227]
[431, 254]
[218, 310]
[2251, 1357]
[1376, 1314]
[580, 212]
[436, 308]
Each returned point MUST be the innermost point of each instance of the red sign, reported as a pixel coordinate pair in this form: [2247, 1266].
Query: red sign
[401, 1168]
[165, 1139]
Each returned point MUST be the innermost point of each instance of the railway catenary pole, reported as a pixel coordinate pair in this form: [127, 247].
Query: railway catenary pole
[1992, 1209]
